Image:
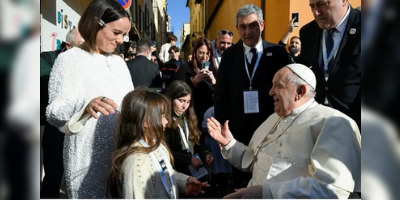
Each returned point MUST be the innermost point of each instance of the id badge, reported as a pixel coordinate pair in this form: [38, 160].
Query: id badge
[250, 99]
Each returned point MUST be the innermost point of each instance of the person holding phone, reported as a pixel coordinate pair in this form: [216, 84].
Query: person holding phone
[200, 74]
[294, 47]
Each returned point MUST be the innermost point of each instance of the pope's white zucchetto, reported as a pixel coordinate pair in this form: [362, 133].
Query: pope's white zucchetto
[304, 73]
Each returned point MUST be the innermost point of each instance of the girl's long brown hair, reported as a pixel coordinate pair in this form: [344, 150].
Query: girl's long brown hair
[176, 90]
[139, 106]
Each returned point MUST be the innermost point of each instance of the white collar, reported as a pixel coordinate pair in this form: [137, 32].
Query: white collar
[258, 47]
[214, 45]
[301, 108]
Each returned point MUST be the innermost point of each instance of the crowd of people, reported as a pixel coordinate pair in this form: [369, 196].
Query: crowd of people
[247, 120]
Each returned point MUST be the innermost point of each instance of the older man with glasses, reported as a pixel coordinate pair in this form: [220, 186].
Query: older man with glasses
[222, 42]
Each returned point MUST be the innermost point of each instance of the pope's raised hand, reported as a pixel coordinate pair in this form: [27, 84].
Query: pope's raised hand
[220, 134]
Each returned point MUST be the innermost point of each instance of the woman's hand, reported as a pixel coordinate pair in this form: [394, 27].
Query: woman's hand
[101, 104]
[198, 78]
[213, 79]
[210, 76]
[196, 163]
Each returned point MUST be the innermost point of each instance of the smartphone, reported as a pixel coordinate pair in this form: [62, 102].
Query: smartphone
[153, 43]
[205, 66]
[296, 21]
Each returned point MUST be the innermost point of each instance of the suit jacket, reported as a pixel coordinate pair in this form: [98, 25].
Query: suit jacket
[144, 72]
[232, 80]
[343, 88]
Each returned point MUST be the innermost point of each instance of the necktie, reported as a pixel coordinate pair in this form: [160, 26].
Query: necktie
[250, 66]
[329, 41]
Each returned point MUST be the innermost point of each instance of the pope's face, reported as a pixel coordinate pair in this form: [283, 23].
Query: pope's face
[283, 93]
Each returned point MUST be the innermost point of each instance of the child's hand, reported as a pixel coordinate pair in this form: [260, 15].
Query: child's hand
[194, 186]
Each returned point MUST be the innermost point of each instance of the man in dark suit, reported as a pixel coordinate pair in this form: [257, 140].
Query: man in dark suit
[143, 71]
[331, 46]
[245, 78]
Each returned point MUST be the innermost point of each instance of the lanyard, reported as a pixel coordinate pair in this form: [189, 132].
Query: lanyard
[255, 67]
[162, 166]
[328, 58]
[185, 140]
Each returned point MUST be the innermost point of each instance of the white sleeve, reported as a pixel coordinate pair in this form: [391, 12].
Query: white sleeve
[162, 52]
[238, 155]
[181, 180]
[299, 188]
[63, 94]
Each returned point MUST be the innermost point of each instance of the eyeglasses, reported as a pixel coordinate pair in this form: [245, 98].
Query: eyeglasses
[225, 32]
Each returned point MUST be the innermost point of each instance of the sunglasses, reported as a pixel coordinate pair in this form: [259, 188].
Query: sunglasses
[226, 32]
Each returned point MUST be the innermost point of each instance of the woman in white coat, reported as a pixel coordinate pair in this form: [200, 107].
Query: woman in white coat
[86, 85]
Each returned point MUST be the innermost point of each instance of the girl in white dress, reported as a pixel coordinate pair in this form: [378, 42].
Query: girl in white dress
[142, 163]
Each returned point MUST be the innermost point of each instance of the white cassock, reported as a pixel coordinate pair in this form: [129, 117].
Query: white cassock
[314, 152]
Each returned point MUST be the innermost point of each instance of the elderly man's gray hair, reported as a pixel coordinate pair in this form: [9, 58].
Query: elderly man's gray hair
[71, 35]
[249, 9]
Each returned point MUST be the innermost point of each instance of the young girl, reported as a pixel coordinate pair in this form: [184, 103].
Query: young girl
[182, 135]
[142, 164]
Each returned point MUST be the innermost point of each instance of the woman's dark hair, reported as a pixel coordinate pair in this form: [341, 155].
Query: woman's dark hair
[98, 13]
[171, 38]
[196, 66]
[138, 107]
[178, 89]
